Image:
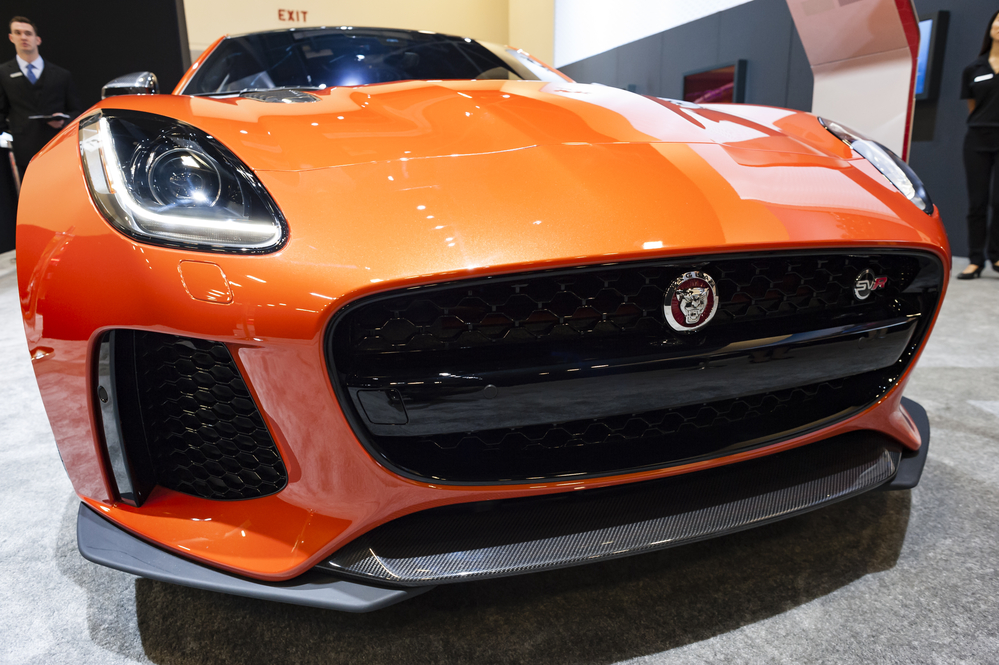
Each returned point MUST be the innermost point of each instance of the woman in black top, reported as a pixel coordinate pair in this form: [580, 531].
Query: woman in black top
[980, 86]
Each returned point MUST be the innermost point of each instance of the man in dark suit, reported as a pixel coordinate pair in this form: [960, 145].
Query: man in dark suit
[29, 86]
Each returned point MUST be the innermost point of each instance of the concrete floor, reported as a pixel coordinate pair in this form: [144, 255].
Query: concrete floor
[904, 577]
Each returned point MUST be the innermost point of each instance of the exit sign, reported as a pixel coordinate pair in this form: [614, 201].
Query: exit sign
[293, 15]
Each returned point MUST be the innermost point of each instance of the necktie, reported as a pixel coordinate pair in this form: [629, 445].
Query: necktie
[31, 74]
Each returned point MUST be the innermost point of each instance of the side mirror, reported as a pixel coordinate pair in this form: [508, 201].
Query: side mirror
[136, 83]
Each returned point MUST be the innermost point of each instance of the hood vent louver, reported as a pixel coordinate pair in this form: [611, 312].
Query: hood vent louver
[281, 96]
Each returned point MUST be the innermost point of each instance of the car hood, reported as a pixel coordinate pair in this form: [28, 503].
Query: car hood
[385, 184]
[421, 119]
[363, 228]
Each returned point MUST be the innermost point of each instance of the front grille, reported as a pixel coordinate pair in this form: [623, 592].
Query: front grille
[576, 372]
[202, 430]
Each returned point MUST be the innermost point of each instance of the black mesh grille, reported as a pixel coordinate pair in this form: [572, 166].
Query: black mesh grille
[618, 301]
[204, 433]
[637, 440]
[390, 352]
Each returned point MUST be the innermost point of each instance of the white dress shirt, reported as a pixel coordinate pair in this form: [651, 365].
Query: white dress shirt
[37, 66]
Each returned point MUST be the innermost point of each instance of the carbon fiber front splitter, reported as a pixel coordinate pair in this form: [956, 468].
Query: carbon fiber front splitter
[515, 536]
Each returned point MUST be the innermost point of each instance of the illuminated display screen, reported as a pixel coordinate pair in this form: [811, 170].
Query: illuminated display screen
[922, 61]
[721, 85]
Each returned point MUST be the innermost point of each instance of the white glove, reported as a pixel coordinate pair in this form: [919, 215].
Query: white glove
[6, 141]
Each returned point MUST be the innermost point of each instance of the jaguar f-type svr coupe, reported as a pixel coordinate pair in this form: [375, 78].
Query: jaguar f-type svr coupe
[356, 312]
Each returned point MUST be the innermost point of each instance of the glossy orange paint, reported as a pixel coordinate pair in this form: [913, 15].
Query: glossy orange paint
[394, 185]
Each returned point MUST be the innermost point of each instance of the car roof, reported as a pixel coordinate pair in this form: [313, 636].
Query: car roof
[330, 28]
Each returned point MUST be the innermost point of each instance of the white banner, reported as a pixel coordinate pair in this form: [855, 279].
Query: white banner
[584, 28]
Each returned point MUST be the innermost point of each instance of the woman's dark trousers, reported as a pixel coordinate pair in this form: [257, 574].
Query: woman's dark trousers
[981, 150]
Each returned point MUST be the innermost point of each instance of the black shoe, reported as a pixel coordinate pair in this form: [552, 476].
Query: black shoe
[974, 274]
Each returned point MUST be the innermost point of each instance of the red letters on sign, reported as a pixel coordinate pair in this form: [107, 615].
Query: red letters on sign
[293, 15]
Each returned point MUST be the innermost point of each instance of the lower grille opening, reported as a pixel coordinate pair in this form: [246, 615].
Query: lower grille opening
[633, 441]
[194, 418]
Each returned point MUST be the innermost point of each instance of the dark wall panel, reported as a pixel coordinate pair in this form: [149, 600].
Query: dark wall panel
[759, 32]
[687, 48]
[598, 69]
[638, 64]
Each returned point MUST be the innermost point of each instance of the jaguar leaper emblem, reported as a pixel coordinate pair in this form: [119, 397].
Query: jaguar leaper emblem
[691, 301]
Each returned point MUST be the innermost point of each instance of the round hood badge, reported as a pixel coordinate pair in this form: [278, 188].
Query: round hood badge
[691, 301]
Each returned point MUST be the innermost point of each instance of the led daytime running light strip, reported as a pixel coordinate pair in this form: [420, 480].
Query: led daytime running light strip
[873, 153]
[897, 172]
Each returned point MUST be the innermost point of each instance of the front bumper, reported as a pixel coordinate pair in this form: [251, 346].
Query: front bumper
[409, 556]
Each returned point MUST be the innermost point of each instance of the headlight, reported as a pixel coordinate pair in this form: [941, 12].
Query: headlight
[888, 163]
[165, 182]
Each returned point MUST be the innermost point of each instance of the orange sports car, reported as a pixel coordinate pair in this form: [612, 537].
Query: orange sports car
[356, 312]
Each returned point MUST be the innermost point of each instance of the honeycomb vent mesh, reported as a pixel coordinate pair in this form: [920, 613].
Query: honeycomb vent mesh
[615, 301]
[204, 432]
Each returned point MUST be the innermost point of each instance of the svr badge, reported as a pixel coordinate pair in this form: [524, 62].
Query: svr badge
[691, 301]
[866, 283]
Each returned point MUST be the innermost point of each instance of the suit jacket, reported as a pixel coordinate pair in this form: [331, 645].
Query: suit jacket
[53, 92]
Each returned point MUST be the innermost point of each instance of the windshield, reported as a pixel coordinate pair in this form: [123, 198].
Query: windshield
[326, 57]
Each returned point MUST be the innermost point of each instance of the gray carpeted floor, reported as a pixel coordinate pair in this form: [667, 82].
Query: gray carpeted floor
[906, 577]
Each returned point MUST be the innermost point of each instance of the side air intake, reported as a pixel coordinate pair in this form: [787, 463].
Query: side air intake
[181, 417]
